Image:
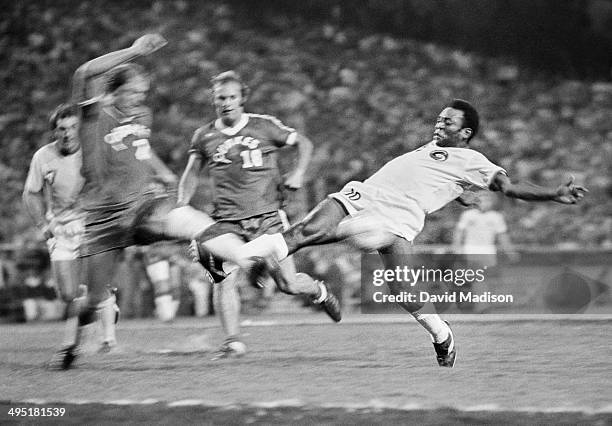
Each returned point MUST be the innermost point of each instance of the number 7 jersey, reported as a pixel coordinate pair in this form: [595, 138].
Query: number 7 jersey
[243, 164]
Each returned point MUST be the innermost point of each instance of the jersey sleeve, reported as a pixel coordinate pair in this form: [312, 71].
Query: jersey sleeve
[480, 171]
[279, 133]
[35, 179]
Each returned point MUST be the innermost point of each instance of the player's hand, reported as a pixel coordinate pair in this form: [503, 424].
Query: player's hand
[149, 43]
[295, 180]
[570, 193]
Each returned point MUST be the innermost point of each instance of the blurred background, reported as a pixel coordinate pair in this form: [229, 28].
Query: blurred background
[363, 79]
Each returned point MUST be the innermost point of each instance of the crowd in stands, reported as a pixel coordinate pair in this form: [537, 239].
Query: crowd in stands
[363, 98]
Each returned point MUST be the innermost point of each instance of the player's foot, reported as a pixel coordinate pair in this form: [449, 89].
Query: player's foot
[64, 358]
[257, 271]
[446, 352]
[107, 346]
[329, 302]
[230, 349]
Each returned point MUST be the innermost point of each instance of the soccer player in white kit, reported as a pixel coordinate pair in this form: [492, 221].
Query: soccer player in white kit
[50, 195]
[387, 211]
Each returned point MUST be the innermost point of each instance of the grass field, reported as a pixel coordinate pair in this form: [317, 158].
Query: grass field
[369, 369]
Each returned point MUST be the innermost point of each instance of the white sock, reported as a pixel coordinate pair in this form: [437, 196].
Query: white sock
[437, 328]
[106, 311]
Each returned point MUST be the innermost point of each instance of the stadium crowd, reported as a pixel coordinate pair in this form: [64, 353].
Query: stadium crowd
[362, 98]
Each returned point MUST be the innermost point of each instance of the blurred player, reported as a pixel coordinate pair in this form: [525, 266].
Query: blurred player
[50, 196]
[119, 166]
[478, 234]
[240, 151]
[481, 230]
[387, 211]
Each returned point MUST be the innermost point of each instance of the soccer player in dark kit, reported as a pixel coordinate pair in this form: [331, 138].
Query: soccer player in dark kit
[240, 151]
[120, 169]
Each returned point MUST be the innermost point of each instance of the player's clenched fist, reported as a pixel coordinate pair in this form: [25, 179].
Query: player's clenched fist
[149, 43]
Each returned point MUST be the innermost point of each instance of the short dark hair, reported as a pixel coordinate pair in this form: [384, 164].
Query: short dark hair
[121, 74]
[228, 76]
[62, 111]
[470, 115]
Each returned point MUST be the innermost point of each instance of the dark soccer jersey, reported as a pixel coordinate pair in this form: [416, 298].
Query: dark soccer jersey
[243, 164]
[115, 148]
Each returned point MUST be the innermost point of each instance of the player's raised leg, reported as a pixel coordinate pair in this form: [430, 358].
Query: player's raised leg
[187, 223]
[318, 227]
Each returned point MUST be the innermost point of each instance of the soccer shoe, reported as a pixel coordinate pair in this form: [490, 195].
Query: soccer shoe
[230, 349]
[446, 352]
[213, 265]
[329, 302]
[257, 271]
[64, 358]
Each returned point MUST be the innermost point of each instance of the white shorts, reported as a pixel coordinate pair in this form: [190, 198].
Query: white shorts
[380, 210]
[66, 242]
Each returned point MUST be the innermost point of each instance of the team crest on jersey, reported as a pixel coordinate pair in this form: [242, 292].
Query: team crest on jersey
[439, 155]
[223, 149]
[118, 134]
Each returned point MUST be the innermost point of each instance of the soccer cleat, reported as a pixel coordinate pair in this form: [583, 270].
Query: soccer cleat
[329, 302]
[257, 271]
[446, 352]
[64, 358]
[230, 349]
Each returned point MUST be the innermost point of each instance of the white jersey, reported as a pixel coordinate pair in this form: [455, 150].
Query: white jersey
[480, 230]
[433, 176]
[396, 199]
[63, 175]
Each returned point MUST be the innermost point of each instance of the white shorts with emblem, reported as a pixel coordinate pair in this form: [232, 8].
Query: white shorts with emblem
[66, 241]
[377, 215]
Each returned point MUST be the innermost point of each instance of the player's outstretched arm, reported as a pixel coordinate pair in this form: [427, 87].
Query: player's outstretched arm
[145, 45]
[568, 193]
[296, 179]
[35, 205]
[189, 180]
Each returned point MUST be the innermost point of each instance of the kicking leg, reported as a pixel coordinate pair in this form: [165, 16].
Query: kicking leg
[318, 227]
